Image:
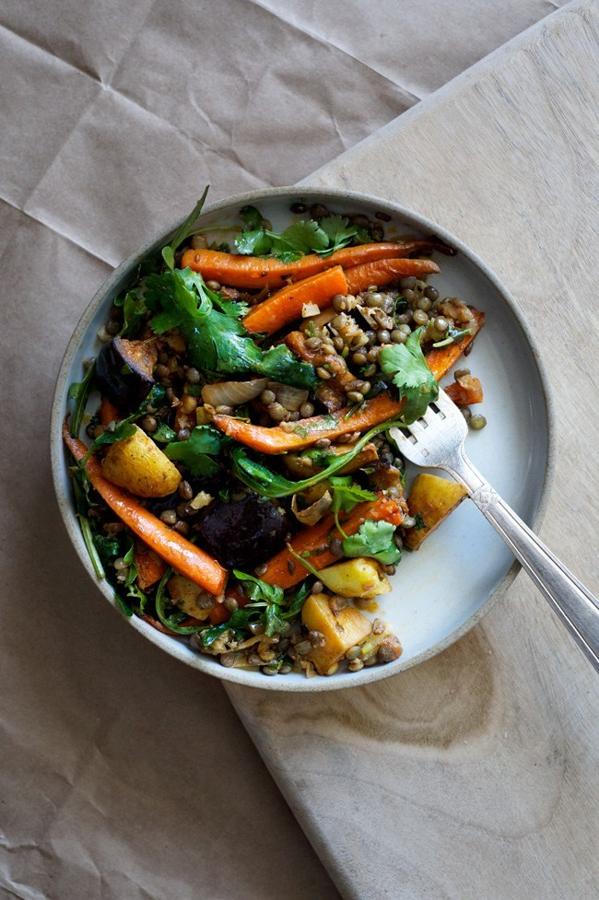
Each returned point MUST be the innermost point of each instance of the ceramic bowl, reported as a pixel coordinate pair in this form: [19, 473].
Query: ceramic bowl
[444, 589]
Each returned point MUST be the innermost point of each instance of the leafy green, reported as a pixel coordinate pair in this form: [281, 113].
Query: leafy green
[264, 481]
[164, 434]
[453, 335]
[411, 375]
[237, 623]
[373, 539]
[197, 451]
[251, 218]
[134, 312]
[303, 236]
[118, 431]
[256, 589]
[346, 494]
[217, 341]
[419, 522]
[111, 435]
[296, 601]
[184, 230]
[170, 617]
[108, 547]
[79, 392]
[88, 539]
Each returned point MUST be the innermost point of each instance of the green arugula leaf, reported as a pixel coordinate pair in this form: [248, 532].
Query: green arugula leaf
[184, 230]
[111, 435]
[374, 539]
[79, 391]
[134, 312]
[296, 601]
[238, 623]
[264, 481]
[256, 589]
[108, 547]
[411, 375]
[171, 618]
[197, 451]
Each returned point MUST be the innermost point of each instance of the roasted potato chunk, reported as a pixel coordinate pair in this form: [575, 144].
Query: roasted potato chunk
[360, 577]
[138, 465]
[431, 500]
[341, 630]
[189, 597]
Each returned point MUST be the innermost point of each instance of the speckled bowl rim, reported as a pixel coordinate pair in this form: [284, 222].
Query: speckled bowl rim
[171, 645]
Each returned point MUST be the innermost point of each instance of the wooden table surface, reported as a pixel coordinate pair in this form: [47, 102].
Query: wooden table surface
[475, 775]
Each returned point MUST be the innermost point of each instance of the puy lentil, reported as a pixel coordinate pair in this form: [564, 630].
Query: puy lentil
[323, 373]
[317, 587]
[182, 527]
[398, 337]
[268, 397]
[185, 490]
[467, 413]
[183, 434]
[459, 373]
[149, 424]
[355, 665]
[355, 396]
[431, 292]
[306, 410]
[168, 516]
[477, 421]
[192, 376]
[383, 336]
[420, 317]
[277, 412]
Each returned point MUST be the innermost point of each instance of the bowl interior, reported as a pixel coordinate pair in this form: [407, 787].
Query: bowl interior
[440, 591]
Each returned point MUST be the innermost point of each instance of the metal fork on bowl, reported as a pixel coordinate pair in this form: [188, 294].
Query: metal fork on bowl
[437, 441]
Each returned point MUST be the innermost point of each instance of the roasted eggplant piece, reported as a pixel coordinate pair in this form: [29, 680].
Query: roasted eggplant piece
[124, 371]
[243, 533]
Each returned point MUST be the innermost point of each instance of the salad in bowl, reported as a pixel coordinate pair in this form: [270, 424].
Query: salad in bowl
[231, 464]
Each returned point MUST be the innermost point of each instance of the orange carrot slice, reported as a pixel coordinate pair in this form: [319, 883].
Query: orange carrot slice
[254, 272]
[286, 304]
[384, 271]
[181, 554]
[306, 432]
[278, 568]
[150, 567]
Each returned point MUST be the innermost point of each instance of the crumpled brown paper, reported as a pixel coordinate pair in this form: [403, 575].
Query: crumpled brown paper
[124, 774]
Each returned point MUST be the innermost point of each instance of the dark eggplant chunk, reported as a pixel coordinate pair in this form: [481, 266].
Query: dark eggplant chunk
[244, 533]
[124, 371]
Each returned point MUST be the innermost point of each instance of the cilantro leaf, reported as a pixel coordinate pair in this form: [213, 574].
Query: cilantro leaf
[374, 539]
[124, 429]
[346, 494]
[79, 392]
[253, 243]
[164, 434]
[411, 375]
[259, 591]
[197, 451]
[217, 341]
[304, 236]
[339, 232]
[251, 218]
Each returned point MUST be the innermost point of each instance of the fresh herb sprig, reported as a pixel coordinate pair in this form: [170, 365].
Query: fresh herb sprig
[414, 380]
[79, 391]
[304, 236]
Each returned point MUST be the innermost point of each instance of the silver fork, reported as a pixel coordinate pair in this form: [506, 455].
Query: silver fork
[437, 441]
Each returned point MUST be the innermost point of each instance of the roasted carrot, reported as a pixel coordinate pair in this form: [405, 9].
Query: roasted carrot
[307, 431]
[174, 549]
[441, 359]
[384, 271]
[255, 272]
[108, 412]
[150, 567]
[286, 304]
[465, 390]
[278, 568]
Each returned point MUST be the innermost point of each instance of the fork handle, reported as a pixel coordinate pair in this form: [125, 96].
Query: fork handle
[571, 600]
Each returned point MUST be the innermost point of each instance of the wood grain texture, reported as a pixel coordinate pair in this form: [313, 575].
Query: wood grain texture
[475, 774]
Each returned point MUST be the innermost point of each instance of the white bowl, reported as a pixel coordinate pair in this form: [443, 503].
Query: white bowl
[441, 591]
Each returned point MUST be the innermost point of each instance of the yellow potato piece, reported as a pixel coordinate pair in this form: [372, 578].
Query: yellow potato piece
[138, 465]
[432, 499]
[360, 577]
[341, 630]
[186, 594]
